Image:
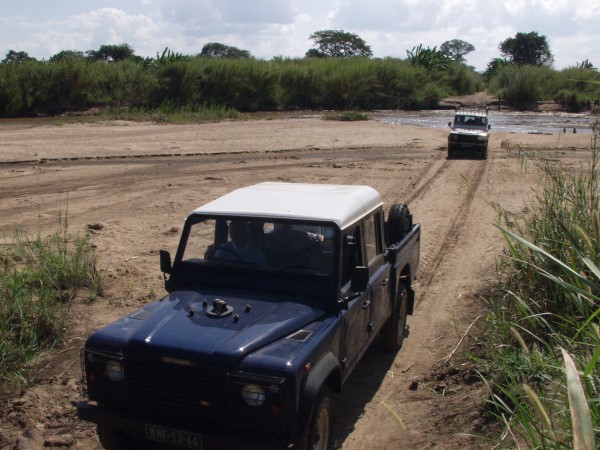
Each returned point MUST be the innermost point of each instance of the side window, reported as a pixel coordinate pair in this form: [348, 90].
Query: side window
[372, 236]
[351, 252]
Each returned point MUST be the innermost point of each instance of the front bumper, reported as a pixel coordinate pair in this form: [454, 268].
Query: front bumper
[226, 439]
[460, 142]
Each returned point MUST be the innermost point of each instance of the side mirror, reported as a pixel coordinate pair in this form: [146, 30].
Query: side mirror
[165, 261]
[489, 127]
[360, 279]
[450, 124]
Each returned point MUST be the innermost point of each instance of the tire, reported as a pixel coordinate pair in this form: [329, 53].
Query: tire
[318, 434]
[112, 439]
[484, 153]
[392, 332]
[399, 223]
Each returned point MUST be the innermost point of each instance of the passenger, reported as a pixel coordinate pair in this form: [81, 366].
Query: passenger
[290, 239]
[289, 247]
[241, 248]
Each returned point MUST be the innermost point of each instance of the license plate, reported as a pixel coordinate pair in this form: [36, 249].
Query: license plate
[174, 437]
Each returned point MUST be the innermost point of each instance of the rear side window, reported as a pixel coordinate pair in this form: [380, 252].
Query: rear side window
[373, 242]
[351, 252]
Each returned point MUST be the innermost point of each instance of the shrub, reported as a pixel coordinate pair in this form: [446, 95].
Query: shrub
[38, 279]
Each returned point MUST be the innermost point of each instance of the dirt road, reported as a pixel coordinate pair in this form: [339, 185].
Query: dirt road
[139, 181]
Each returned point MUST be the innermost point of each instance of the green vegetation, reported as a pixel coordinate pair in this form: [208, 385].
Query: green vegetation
[456, 49]
[177, 83]
[337, 44]
[527, 49]
[38, 280]
[430, 58]
[218, 50]
[543, 333]
[169, 113]
[574, 88]
[338, 73]
[242, 84]
[346, 116]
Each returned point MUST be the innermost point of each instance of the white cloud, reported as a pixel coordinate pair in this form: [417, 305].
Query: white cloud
[110, 25]
[270, 28]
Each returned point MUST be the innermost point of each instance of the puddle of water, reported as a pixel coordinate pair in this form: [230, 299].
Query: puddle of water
[507, 122]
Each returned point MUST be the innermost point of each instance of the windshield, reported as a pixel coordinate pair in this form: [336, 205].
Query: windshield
[470, 121]
[261, 245]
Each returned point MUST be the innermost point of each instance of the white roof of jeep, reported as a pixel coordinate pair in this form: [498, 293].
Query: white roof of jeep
[471, 112]
[343, 204]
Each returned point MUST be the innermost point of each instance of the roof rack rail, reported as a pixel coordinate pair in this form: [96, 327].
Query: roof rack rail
[472, 110]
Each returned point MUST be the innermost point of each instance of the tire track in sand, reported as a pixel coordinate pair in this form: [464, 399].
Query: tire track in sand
[428, 268]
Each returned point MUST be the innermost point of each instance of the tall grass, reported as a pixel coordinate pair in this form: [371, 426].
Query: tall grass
[39, 277]
[170, 113]
[36, 87]
[574, 88]
[543, 370]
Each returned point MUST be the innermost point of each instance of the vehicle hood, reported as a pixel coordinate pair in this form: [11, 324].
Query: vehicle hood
[471, 131]
[181, 325]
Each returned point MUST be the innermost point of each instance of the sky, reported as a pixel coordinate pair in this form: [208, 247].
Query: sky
[270, 28]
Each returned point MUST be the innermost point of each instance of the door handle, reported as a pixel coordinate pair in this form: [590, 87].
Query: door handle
[366, 304]
[384, 282]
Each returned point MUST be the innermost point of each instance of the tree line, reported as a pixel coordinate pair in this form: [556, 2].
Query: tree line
[339, 72]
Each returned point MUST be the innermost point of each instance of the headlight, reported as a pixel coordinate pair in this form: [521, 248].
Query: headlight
[253, 395]
[103, 365]
[114, 371]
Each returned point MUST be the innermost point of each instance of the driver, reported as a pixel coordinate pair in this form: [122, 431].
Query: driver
[241, 248]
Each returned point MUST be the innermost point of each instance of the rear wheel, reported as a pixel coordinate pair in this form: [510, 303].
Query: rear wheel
[392, 333]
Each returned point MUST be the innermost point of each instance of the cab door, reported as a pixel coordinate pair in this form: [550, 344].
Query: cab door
[357, 316]
[379, 272]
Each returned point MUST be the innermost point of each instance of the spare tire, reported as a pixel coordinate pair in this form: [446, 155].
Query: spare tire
[399, 223]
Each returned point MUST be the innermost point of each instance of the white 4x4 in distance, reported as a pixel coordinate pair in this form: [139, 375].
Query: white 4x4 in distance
[469, 133]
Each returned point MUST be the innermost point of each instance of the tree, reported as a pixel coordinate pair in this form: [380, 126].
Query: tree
[218, 50]
[111, 53]
[16, 57]
[67, 55]
[585, 64]
[456, 49]
[337, 43]
[430, 58]
[527, 48]
[494, 67]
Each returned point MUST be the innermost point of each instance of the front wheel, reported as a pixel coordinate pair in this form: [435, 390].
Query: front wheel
[318, 434]
[451, 152]
[392, 333]
[113, 439]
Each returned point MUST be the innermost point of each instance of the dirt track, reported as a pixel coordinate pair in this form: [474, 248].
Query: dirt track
[139, 181]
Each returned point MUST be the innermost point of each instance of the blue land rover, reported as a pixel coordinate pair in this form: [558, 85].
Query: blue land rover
[274, 294]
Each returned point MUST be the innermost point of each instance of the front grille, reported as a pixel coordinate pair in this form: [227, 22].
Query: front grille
[468, 138]
[176, 394]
